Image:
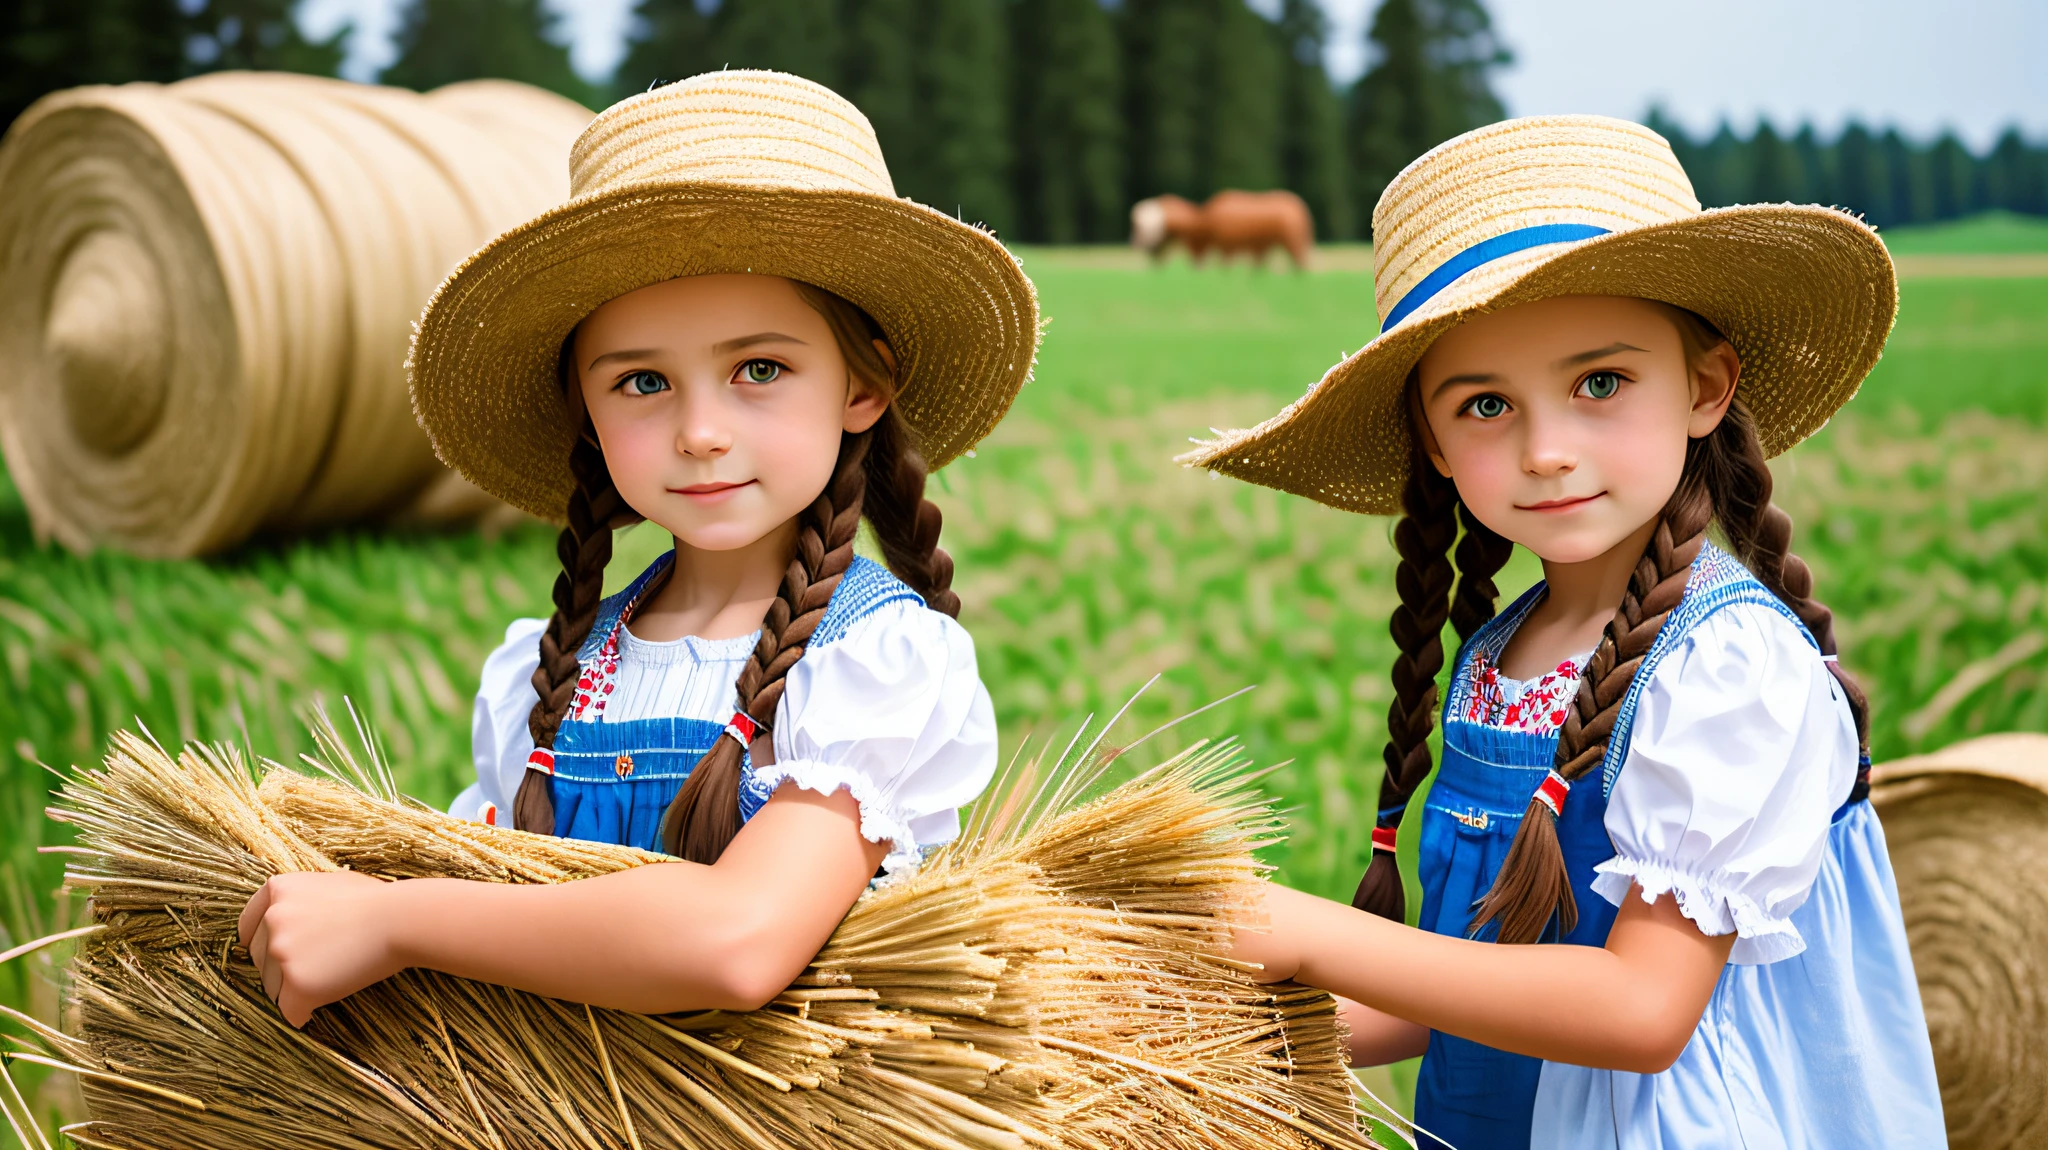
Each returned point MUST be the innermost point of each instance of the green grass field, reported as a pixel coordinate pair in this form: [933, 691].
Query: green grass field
[1089, 563]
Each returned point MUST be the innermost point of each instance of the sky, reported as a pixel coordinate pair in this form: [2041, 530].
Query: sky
[1974, 66]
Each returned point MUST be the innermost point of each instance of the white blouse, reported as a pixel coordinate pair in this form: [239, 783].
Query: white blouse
[1743, 748]
[893, 711]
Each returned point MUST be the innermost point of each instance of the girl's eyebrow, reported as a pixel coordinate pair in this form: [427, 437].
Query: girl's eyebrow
[750, 340]
[1468, 377]
[635, 353]
[1596, 353]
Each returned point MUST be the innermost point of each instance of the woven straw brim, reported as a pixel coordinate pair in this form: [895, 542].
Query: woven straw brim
[1806, 294]
[956, 308]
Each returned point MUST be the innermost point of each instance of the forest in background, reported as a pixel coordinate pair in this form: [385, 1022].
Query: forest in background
[1046, 119]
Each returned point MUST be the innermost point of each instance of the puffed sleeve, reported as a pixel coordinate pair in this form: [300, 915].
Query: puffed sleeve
[895, 713]
[1743, 748]
[498, 739]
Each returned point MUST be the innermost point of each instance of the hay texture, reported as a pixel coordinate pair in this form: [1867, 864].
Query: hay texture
[207, 292]
[1047, 981]
[1968, 832]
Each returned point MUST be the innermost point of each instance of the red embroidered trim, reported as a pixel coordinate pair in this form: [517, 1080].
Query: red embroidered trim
[1383, 838]
[542, 760]
[1552, 791]
[743, 727]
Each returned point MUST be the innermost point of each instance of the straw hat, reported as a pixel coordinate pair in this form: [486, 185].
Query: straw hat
[1546, 206]
[737, 171]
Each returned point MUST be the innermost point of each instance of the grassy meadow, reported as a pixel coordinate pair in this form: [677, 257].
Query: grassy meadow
[1089, 562]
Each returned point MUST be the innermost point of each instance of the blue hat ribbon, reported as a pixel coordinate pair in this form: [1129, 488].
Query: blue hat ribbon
[1482, 253]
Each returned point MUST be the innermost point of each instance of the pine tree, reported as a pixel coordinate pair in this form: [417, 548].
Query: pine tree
[1817, 165]
[2016, 176]
[1069, 174]
[668, 40]
[1775, 175]
[963, 163]
[1862, 184]
[798, 36]
[1166, 46]
[1246, 69]
[1912, 180]
[1312, 121]
[257, 34]
[879, 73]
[1958, 184]
[1428, 85]
[1723, 176]
[442, 41]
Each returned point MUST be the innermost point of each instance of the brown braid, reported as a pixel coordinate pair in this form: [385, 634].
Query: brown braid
[881, 474]
[1423, 538]
[705, 814]
[906, 523]
[1760, 534]
[585, 546]
[1481, 555]
[1725, 480]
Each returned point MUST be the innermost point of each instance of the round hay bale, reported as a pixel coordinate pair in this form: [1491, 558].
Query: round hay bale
[1968, 833]
[207, 290]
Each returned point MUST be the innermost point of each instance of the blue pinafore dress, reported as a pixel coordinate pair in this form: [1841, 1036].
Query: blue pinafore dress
[612, 782]
[1827, 1048]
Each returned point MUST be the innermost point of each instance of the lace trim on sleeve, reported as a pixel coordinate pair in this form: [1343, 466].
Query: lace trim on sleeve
[880, 820]
[1762, 936]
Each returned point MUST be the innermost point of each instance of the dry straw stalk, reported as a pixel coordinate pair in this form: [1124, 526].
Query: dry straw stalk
[1048, 981]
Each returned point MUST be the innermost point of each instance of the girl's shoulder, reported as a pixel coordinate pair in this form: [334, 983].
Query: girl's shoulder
[865, 590]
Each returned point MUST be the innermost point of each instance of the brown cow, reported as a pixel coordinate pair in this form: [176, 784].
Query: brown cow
[1230, 222]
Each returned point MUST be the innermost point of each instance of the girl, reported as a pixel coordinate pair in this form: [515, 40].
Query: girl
[1653, 771]
[736, 330]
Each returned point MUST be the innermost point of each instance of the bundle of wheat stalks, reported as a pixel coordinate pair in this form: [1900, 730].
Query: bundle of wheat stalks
[1051, 980]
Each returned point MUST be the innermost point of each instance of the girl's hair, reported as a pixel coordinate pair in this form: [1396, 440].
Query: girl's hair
[1725, 481]
[880, 474]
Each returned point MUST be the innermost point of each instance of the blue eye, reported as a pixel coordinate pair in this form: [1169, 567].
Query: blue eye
[1488, 407]
[643, 383]
[760, 371]
[1601, 385]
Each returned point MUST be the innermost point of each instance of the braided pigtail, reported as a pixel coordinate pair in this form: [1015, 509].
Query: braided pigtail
[585, 546]
[1533, 885]
[906, 523]
[1760, 534]
[705, 814]
[1423, 538]
[1481, 554]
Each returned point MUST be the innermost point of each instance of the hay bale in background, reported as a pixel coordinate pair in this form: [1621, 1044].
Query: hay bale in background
[1046, 981]
[207, 291]
[1968, 832]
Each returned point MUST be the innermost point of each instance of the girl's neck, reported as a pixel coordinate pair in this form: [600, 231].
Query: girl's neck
[717, 594]
[1579, 601]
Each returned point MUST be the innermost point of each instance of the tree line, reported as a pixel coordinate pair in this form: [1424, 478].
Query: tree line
[1044, 119]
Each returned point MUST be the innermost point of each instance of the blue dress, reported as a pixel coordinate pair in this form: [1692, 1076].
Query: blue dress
[1814, 1036]
[886, 703]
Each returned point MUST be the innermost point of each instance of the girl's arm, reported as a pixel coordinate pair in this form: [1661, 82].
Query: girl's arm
[656, 939]
[1377, 1037]
[1631, 1005]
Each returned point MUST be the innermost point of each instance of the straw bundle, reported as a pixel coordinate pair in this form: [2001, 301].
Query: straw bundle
[1047, 981]
[1968, 830]
[207, 290]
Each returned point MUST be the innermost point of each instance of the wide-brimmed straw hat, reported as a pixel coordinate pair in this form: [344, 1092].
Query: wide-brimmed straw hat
[736, 171]
[1546, 206]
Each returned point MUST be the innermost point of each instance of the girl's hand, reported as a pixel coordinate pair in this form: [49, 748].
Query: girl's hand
[318, 938]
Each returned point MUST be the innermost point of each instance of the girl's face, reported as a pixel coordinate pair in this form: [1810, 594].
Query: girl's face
[1564, 422]
[719, 401]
